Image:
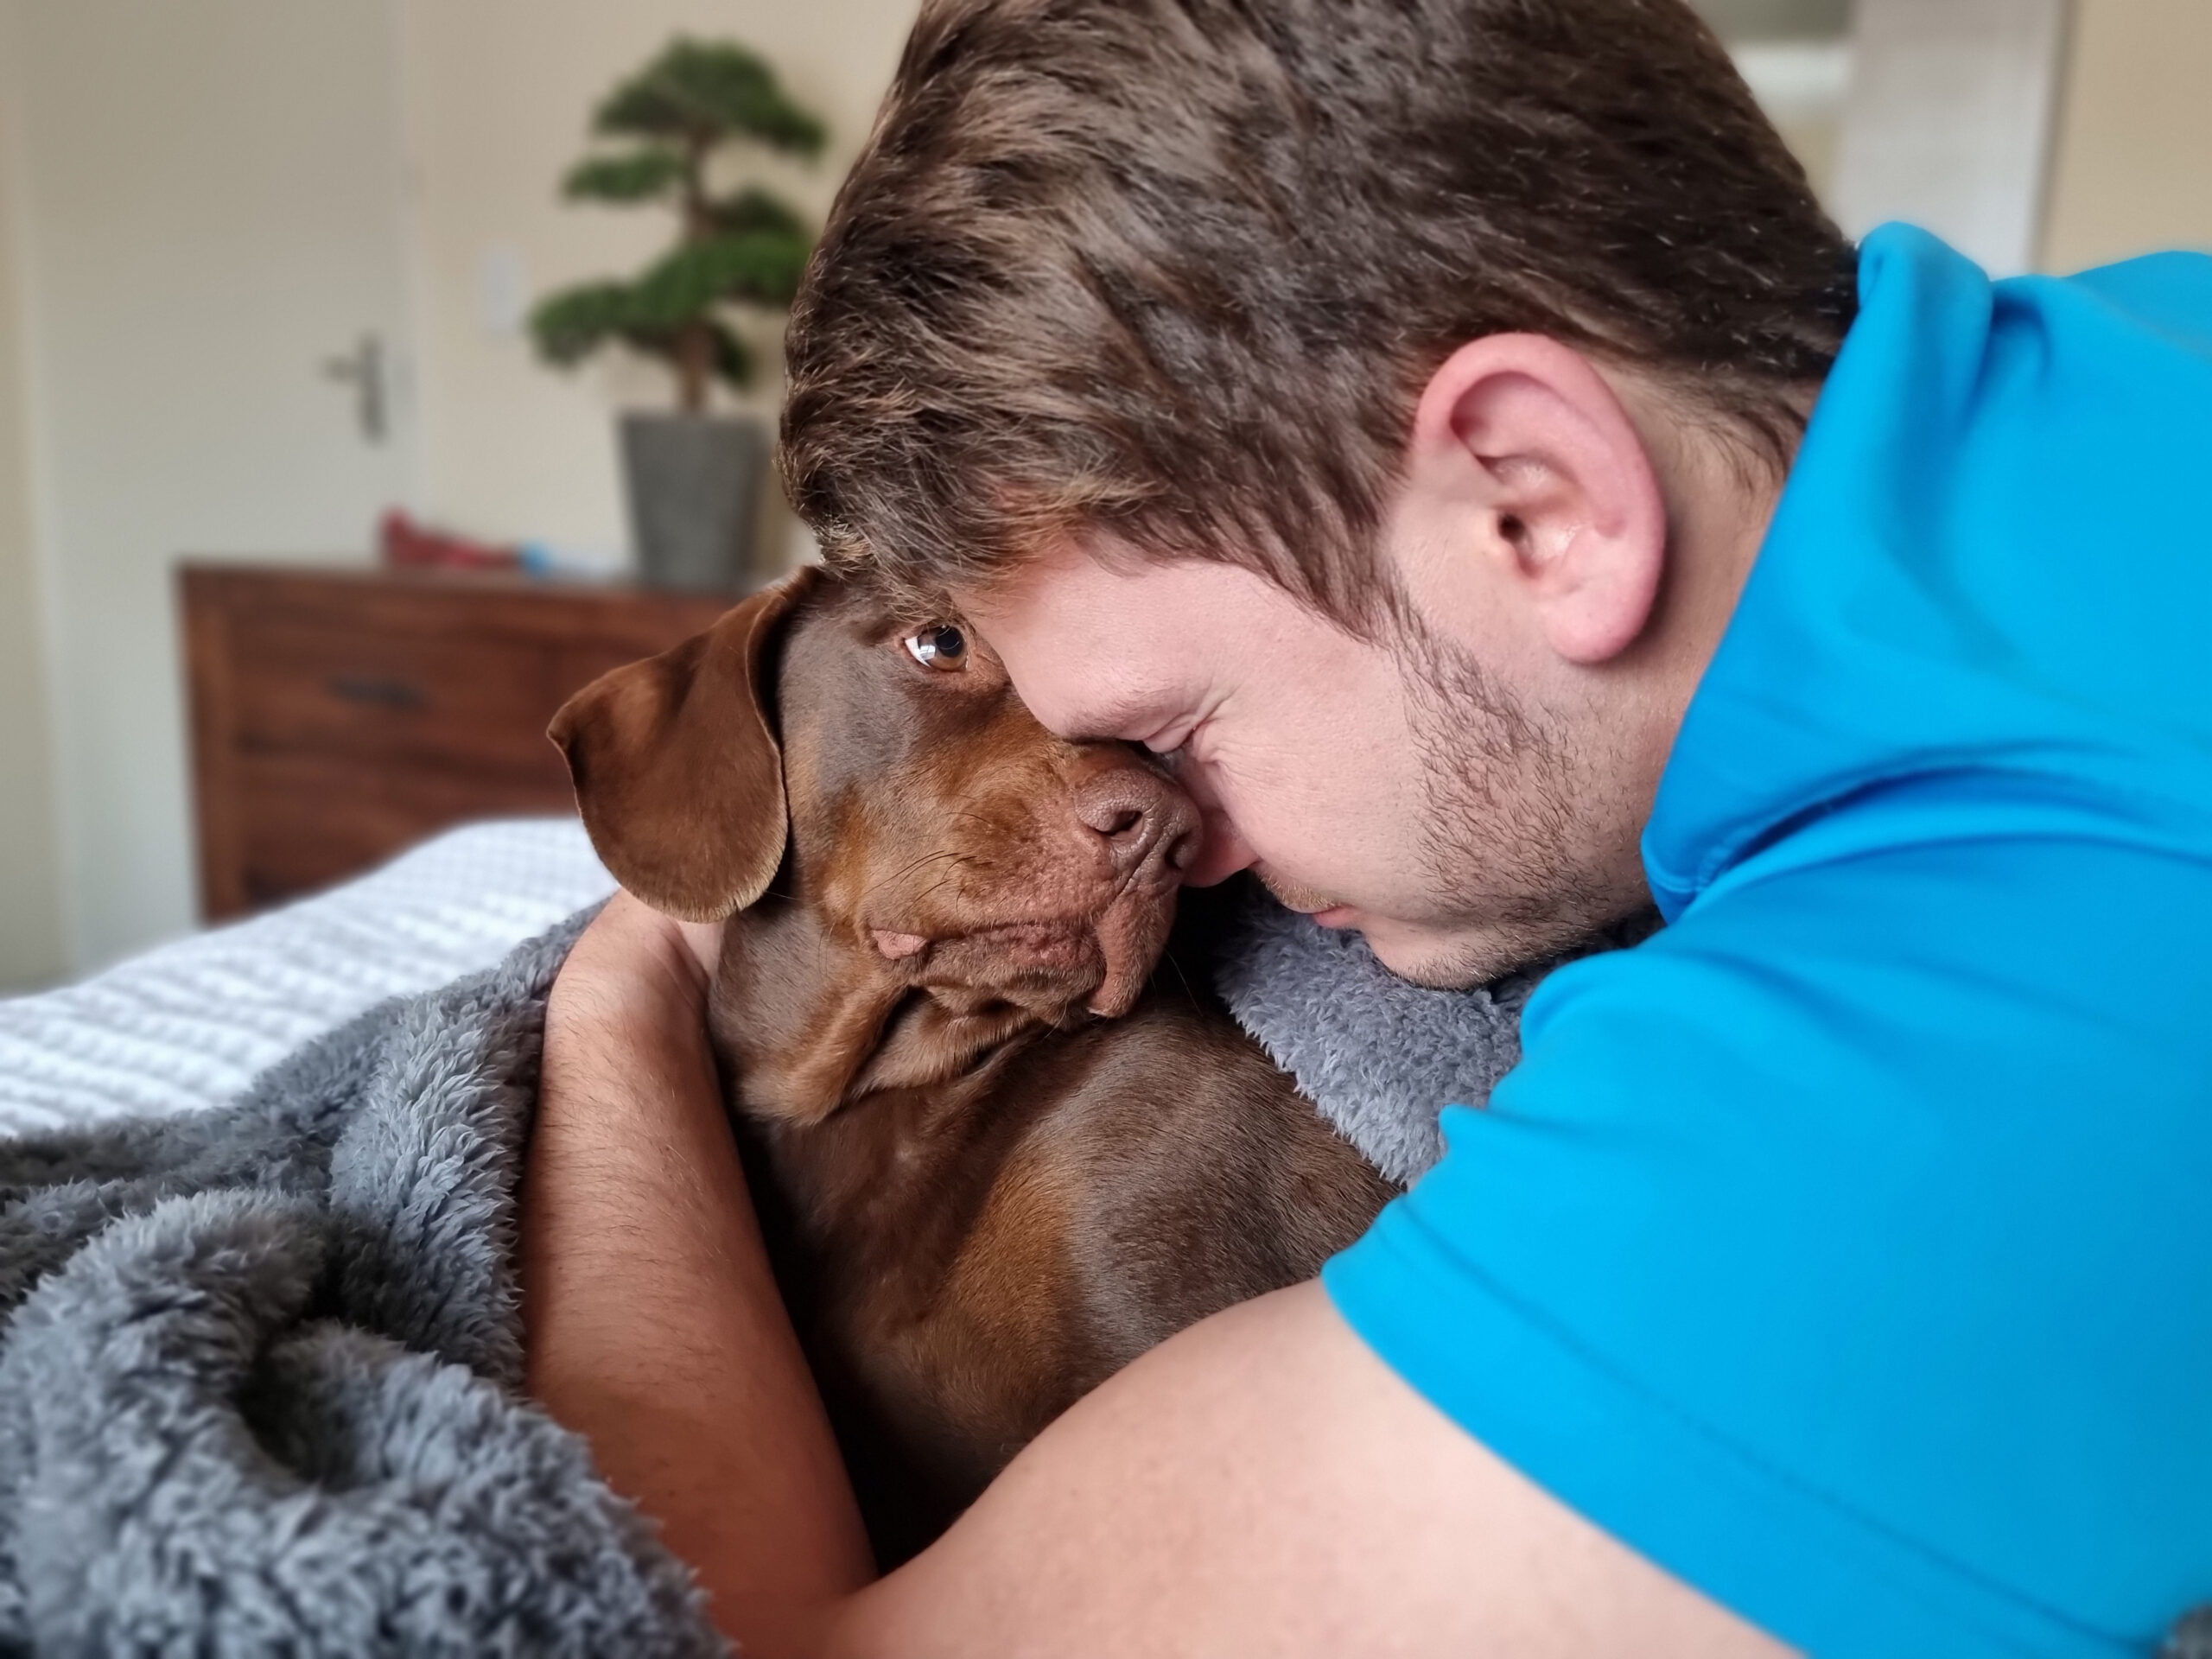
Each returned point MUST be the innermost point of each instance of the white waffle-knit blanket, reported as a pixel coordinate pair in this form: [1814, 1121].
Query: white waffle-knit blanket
[190, 1023]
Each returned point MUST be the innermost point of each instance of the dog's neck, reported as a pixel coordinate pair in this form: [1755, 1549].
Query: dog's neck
[807, 1016]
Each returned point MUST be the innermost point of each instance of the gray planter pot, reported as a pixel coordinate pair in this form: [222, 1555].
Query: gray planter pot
[694, 482]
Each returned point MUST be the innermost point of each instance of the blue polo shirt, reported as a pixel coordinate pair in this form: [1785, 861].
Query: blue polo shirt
[1846, 1249]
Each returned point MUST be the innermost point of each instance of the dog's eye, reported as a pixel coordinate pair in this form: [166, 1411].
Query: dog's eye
[938, 645]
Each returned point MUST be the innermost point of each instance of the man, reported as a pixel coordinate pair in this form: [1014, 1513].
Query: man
[1395, 410]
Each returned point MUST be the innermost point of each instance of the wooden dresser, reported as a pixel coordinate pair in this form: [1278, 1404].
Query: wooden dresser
[339, 715]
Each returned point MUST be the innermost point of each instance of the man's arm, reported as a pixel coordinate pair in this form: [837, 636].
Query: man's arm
[1261, 1484]
[653, 1325]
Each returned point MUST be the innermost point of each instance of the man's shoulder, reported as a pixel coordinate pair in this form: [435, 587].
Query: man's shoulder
[1918, 945]
[2170, 291]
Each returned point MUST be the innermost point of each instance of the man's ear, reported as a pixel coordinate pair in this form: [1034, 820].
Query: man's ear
[1523, 432]
[677, 769]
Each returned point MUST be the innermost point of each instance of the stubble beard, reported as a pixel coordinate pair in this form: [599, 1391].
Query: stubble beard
[1504, 787]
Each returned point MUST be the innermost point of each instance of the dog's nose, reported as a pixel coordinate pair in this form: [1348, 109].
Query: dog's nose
[1142, 818]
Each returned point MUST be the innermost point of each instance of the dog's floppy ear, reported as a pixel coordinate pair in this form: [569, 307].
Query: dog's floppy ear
[677, 766]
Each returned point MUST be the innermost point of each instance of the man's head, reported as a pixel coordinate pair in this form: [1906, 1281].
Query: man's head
[1420, 368]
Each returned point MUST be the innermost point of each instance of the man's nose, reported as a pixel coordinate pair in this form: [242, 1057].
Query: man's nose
[1222, 849]
[1143, 820]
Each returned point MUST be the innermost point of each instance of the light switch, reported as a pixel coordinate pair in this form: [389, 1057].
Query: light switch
[502, 288]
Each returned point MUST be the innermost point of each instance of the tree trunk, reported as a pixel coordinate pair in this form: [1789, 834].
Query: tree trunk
[695, 363]
[695, 345]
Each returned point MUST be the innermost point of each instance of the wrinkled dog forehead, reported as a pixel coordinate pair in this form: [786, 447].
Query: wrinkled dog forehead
[860, 717]
[847, 716]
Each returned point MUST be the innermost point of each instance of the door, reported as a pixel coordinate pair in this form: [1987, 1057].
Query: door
[211, 201]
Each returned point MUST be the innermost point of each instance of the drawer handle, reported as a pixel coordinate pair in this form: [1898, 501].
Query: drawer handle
[376, 693]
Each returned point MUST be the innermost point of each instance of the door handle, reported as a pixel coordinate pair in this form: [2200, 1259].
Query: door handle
[363, 369]
[376, 691]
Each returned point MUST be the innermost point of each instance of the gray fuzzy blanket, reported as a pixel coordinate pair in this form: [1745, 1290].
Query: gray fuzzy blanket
[259, 1373]
[258, 1378]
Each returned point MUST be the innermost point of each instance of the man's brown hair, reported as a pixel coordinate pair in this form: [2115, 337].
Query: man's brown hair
[1176, 270]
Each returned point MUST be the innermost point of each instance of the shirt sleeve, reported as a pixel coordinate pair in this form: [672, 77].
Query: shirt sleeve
[1840, 1249]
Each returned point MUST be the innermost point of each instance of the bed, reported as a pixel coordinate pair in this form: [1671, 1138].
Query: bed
[190, 1023]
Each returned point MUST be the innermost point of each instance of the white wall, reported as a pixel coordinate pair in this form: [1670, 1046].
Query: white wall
[31, 943]
[498, 97]
[2133, 168]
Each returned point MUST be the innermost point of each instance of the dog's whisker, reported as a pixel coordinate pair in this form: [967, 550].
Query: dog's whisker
[1170, 960]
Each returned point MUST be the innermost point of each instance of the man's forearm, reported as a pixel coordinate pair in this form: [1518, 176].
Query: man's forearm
[654, 1326]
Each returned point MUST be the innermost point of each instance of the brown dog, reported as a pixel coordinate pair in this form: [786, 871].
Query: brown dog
[993, 1161]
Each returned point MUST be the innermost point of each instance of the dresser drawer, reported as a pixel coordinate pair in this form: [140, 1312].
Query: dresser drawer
[468, 703]
[306, 821]
[340, 716]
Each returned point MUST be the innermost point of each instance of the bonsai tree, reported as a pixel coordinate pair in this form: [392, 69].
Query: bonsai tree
[745, 248]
